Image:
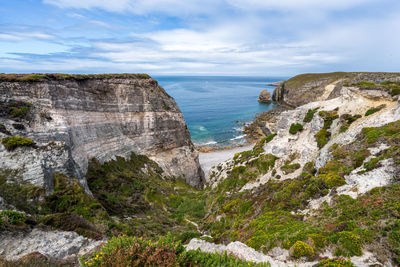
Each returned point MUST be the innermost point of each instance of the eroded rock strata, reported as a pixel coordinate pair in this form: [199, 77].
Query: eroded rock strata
[73, 118]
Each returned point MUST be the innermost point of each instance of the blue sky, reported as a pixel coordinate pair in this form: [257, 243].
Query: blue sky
[200, 37]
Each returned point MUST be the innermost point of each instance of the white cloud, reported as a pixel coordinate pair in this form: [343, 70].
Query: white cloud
[140, 6]
[298, 4]
[18, 36]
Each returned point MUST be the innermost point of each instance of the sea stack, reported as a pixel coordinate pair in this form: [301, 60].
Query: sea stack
[265, 97]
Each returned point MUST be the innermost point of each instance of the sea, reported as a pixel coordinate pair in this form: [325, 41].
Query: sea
[217, 107]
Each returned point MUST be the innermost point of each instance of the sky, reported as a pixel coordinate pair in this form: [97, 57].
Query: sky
[199, 37]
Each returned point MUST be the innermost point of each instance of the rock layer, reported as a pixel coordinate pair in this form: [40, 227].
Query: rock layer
[307, 88]
[81, 117]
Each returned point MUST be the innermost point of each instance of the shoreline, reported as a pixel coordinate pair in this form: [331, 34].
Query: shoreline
[209, 159]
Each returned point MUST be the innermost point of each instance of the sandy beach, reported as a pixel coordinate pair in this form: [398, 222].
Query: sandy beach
[210, 159]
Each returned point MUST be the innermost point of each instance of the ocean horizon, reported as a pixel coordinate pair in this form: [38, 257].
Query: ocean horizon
[216, 107]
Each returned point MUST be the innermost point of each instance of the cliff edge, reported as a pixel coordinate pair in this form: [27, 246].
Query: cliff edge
[73, 118]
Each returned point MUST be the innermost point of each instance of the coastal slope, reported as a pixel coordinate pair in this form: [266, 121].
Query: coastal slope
[324, 183]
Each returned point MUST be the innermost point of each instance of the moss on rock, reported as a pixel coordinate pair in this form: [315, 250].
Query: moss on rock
[11, 143]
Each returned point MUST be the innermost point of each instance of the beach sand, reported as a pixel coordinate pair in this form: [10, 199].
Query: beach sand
[210, 159]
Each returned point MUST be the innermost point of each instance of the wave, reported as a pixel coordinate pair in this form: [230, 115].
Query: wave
[239, 129]
[238, 137]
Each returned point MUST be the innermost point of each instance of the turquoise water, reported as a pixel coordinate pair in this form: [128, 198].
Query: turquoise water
[215, 107]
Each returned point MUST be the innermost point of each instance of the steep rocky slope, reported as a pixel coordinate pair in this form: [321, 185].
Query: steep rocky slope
[306, 88]
[70, 171]
[323, 184]
[73, 118]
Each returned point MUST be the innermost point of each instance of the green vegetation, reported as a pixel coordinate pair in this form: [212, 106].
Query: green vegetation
[390, 132]
[289, 168]
[11, 143]
[11, 217]
[391, 87]
[324, 135]
[374, 110]
[256, 151]
[301, 80]
[37, 77]
[295, 128]
[267, 216]
[131, 251]
[21, 194]
[4, 130]
[301, 249]
[347, 120]
[336, 262]
[16, 110]
[310, 115]
[122, 187]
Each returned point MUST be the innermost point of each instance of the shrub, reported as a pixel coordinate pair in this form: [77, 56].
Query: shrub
[336, 262]
[10, 143]
[295, 127]
[374, 110]
[365, 84]
[332, 179]
[395, 91]
[322, 137]
[12, 217]
[349, 244]
[289, 168]
[310, 115]
[19, 109]
[132, 251]
[301, 249]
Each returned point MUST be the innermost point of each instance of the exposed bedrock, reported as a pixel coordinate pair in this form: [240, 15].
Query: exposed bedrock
[77, 118]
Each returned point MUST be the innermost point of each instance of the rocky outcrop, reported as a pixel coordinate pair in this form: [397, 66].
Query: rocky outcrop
[55, 245]
[72, 118]
[306, 88]
[265, 97]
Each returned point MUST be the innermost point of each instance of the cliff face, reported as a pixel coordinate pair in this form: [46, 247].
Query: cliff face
[74, 118]
[307, 88]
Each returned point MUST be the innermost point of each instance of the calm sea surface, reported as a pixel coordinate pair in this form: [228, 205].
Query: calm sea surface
[216, 107]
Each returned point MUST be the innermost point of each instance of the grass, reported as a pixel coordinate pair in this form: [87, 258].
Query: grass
[37, 77]
[310, 115]
[295, 128]
[301, 80]
[389, 86]
[374, 110]
[11, 143]
[323, 135]
[347, 120]
[289, 168]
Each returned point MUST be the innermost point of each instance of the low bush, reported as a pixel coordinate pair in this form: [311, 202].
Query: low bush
[132, 251]
[310, 115]
[11, 143]
[336, 262]
[295, 128]
[374, 110]
[12, 217]
[301, 249]
[289, 168]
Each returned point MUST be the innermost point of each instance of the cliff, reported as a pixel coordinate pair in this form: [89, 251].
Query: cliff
[306, 88]
[73, 118]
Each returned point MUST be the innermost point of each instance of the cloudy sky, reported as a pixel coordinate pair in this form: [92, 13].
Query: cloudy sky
[201, 37]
